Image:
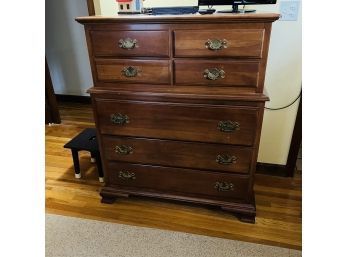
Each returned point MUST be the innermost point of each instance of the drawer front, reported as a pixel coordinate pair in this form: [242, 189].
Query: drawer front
[220, 73]
[179, 180]
[189, 122]
[130, 43]
[133, 71]
[178, 154]
[219, 43]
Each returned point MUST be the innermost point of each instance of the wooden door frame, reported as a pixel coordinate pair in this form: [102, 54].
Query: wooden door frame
[51, 106]
[90, 6]
[287, 170]
[295, 143]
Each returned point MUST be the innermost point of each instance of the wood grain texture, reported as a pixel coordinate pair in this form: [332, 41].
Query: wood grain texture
[248, 39]
[240, 43]
[177, 182]
[278, 200]
[149, 43]
[178, 121]
[192, 121]
[149, 72]
[199, 94]
[236, 73]
[90, 7]
[178, 153]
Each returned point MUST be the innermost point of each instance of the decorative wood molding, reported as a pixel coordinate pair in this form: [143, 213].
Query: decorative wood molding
[192, 18]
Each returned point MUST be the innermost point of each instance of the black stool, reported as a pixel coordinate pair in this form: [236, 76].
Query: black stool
[86, 140]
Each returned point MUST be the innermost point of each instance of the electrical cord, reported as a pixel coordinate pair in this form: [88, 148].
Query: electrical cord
[286, 106]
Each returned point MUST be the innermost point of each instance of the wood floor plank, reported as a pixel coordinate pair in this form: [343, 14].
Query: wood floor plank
[278, 200]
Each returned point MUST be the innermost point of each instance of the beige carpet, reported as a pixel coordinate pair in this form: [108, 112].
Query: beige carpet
[73, 237]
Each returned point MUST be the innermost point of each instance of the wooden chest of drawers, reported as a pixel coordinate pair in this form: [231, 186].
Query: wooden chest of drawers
[178, 104]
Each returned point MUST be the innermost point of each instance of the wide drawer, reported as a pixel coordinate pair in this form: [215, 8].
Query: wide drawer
[219, 43]
[217, 73]
[130, 43]
[189, 122]
[133, 71]
[166, 179]
[178, 154]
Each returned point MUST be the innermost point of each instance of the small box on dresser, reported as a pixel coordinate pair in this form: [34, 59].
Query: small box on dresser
[178, 104]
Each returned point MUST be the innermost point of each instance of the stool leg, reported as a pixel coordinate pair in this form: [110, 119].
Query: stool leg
[75, 155]
[99, 167]
[93, 159]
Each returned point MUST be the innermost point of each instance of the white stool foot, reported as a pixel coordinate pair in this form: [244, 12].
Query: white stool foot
[78, 175]
[93, 160]
[101, 179]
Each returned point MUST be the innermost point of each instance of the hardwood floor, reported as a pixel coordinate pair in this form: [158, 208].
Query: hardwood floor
[278, 200]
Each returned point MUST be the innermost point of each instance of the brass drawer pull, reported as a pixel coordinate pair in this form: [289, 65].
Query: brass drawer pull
[123, 149]
[224, 186]
[216, 44]
[214, 73]
[119, 119]
[226, 159]
[228, 126]
[126, 175]
[130, 71]
[128, 43]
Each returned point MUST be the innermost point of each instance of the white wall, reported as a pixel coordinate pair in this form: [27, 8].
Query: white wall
[97, 9]
[66, 48]
[283, 83]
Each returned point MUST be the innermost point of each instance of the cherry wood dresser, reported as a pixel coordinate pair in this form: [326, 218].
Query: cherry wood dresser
[178, 104]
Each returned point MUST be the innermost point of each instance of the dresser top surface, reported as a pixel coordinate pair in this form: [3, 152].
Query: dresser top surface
[216, 18]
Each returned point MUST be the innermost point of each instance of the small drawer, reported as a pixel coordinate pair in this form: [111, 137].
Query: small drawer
[133, 71]
[171, 180]
[219, 43]
[188, 122]
[178, 154]
[130, 43]
[217, 73]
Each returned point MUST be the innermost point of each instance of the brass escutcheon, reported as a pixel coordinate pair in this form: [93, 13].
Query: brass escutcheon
[123, 149]
[224, 186]
[128, 43]
[126, 175]
[226, 159]
[228, 126]
[130, 71]
[214, 73]
[119, 119]
[216, 44]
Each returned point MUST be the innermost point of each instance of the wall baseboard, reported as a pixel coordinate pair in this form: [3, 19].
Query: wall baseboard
[74, 98]
[271, 169]
[261, 168]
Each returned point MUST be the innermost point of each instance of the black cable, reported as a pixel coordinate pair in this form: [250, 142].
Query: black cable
[280, 108]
